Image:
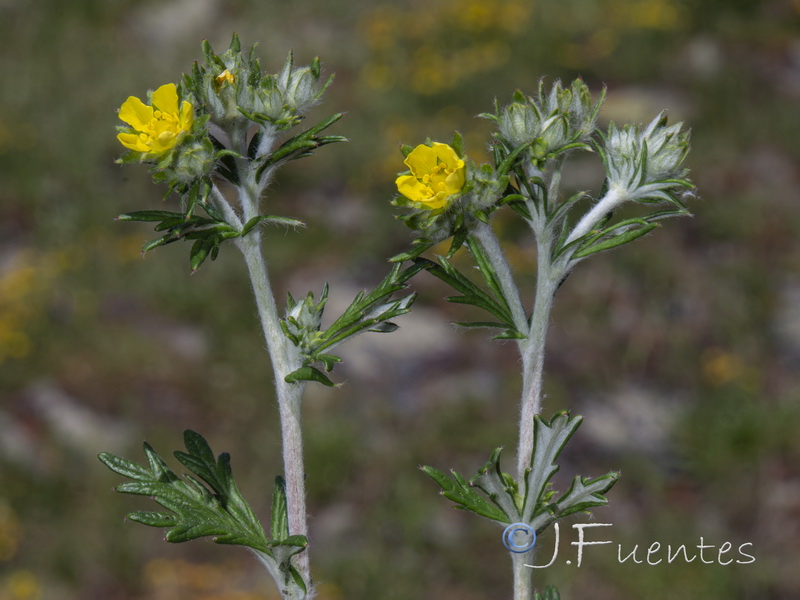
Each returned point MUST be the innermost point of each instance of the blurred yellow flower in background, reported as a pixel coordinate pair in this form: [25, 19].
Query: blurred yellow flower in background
[155, 129]
[436, 174]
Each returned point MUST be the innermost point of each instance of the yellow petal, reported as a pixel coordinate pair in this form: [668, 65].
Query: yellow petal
[187, 116]
[165, 99]
[447, 155]
[136, 113]
[132, 142]
[455, 181]
[412, 188]
[437, 201]
[421, 160]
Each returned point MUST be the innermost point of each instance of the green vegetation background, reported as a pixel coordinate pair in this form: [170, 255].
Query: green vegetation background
[682, 353]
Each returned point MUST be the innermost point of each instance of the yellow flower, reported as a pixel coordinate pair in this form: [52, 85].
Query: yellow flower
[436, 174]
[155, 129]
[224, 77]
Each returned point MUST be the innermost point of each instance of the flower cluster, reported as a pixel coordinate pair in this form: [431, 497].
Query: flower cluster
[235, 91]
[550, 123]
[222, 121]
[230, 91]
[645, 163]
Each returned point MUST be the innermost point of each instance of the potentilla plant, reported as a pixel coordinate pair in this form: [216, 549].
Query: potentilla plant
[449, 197]
[216, 139]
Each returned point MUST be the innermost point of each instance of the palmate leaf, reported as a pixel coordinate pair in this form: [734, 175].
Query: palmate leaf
[208, 504]
[498, 496]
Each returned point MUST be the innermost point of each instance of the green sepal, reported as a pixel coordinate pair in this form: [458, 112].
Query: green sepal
[406, 149]
[458, 144]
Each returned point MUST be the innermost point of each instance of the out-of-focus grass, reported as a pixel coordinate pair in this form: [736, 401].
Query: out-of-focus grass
[681, 353]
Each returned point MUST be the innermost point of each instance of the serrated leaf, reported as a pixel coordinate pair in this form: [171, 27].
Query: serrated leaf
[465, 497]
[207, 504]
[218, 510]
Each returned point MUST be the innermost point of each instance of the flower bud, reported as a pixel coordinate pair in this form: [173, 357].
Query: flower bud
[552, 121]
[300, 86]
[194, 160]
[519, 123]
[642, 160]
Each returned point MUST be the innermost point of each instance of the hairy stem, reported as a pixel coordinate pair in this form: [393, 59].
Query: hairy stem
[284, 361]
[547, 280]
[488, 241]
[523, 577]
[607, 203]
[283, 355]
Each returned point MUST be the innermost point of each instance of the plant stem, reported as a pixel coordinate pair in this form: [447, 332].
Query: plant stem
[532, 349]
[523, 577]
[289, 394]
[488, 241]
[283, 355]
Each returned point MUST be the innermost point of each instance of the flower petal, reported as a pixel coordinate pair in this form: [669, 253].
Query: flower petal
[133, 142]
[412, 188]
[187, 116]
[455, 181]
[447, 155]
[421, 160]
[437, 201]
[165, 99]
[136, 113]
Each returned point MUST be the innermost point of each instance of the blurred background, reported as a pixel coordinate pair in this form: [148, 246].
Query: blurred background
[681, 352]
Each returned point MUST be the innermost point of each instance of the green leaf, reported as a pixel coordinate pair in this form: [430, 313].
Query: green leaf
[465, 496]
[300, 145]
[217, 510]
[207, 503]
[279, 526]
[288, 221]
[308, 373]
[471, 294]
[200, 251]
[631, 233]
[549, 593]
[149, 215]
[585, 493]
